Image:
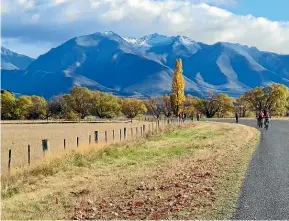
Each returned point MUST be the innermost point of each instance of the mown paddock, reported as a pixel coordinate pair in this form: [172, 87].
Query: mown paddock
[17, 137]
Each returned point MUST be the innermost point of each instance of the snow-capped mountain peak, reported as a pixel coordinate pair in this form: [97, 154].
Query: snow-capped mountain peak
[6, 51]
[131, 40]
[186, 40]
[12, 61]
[153, 40]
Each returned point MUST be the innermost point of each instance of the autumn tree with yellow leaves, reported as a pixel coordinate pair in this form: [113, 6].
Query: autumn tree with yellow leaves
[131, 107]
[178, 89]
[273, 98]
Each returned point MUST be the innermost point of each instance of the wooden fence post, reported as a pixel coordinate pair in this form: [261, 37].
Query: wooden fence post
[64, 144]
[89, 139]
[28, 154]
[144, 129]
[9, 160]
[113, 135]
[77, 141]
[96, 136]
[45, 146]
[136, 131]
[120, 134]
[124, 133]
[131, 132]
[105, 135]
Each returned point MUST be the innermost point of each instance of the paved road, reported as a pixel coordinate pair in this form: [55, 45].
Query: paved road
[265, 192]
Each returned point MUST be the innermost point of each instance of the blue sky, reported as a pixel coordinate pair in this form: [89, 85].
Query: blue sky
[272, 9]
[33, 27]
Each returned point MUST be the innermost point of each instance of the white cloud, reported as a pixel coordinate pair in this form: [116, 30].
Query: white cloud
[221, 2]
[27, 4]
[113, 15]
[94, 3]
[193, 18]
[58, 2]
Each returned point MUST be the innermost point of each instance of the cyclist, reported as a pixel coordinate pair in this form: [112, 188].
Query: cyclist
[260, 118]
[237, 117]
[267, 114]
[267, 118]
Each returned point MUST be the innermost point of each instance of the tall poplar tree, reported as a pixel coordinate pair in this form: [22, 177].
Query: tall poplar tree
[178, 88]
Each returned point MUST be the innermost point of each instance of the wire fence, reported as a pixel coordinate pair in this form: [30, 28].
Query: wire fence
[38, 149]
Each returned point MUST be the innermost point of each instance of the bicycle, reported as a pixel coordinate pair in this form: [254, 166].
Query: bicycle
[260, 122]
[267, 122]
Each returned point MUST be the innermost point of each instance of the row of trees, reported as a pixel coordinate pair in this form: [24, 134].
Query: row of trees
[82, 102]
[78, 104]
[24, 107]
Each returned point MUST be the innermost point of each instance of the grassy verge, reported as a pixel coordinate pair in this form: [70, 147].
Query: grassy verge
[247, 118]
[280, 118]
[194, 172]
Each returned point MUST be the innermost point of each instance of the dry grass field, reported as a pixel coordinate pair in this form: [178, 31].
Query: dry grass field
[17, 137]
[192, 172]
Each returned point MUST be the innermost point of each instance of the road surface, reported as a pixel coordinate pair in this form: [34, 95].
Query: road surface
[265, 192]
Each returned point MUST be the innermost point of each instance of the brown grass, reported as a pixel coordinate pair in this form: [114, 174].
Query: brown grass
[189, 173]
[17, 137]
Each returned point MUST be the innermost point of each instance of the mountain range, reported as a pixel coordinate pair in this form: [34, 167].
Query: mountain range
[13, 61]
[144, 67]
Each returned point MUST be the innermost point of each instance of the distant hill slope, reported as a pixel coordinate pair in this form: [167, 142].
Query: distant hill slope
[144, 67]
[13, 61]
